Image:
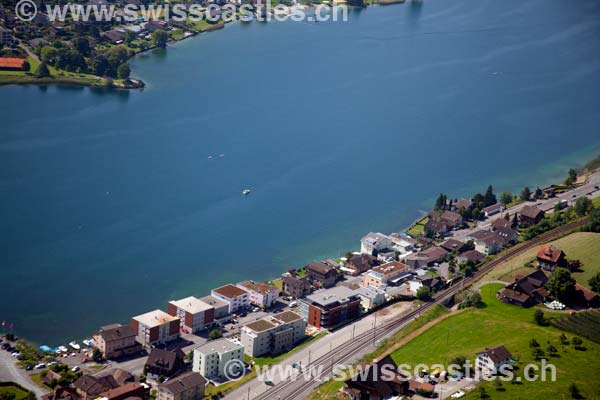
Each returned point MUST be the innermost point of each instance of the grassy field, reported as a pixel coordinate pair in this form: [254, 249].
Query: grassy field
[418, 229]
[9, 390]
[583, 246]
[470, 331]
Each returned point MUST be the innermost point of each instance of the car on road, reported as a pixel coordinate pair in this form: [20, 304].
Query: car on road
[40, 366]
[255, 309]
[596, 187]
[75, 369]
[52, 363]
[269, 383]
[15, 354]
[29, 367]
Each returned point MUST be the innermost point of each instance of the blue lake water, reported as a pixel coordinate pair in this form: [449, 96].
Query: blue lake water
[110, 205]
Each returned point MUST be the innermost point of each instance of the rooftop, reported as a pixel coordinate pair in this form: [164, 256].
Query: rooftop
[184, 382]
[11, 62]
[155, 318]
[273, 321]
[391, 268]
[330, 296]
[258, 287]
[218, 346]
[191, 304]
[213, 301]
[230, 291]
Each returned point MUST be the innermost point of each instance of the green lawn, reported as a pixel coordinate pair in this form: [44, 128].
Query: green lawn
[418, 229]
[9, 389]
[582, 246]
[472, 330]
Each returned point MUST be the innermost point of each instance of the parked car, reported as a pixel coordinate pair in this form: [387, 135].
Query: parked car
[29, 367]
[75, 369]
[40, 366]
[269, 383]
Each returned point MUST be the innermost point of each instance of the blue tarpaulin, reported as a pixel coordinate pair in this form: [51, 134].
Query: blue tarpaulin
[46, 348]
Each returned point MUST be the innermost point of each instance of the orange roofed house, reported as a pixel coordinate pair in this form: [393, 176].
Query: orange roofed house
[155, 327]
[12, 63]
[549, 257]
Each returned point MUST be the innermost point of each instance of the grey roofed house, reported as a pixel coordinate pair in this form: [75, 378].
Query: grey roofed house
[493, 209]
[509, 234]
[501, 223]
[221, 308]
[219, 345]
[426, 257]
[331, 296]
[184, 383]
[114, 36]
[436, 227]
[116, 331]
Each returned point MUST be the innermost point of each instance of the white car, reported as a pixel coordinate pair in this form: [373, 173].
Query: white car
[458, 394]
[40, 366]
[16, 354]
[75, 368]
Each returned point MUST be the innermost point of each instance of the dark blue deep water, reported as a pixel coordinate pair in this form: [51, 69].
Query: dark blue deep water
[110, 205]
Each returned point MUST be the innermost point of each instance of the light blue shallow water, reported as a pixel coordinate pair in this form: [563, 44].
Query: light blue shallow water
[110, 205]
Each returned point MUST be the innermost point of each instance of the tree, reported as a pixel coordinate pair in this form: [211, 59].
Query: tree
[594, 283]
[215, 334]
[441, 202]
[515, 221]
[538, 193]
[551, 350]
[42, 71]
[593, 224]
[160, 37]
[82, 44]
[525, 193]
[533, 343]
[574, 391]
[48, 54]
[467, 267]
[561, 285]
[129, 37]
[506, 198]
[123, 71]
[490, 197]
[99, 65]
[424, 293]
[583, 206]
[26, 66]
[571, 178]
[460, 362]
[538, 317]
[471, 299]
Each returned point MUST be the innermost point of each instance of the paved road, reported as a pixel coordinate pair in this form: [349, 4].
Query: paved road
[9, 372]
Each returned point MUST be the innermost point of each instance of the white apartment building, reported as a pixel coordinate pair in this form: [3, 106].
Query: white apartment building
[274, 334]
[211, 358]
[235, 297]
[155, 327]
[194, 314]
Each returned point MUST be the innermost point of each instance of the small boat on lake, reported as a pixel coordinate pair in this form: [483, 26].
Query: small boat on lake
[246, 192]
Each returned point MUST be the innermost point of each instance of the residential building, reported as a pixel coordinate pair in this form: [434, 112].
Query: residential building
[114, 36]
[493, 360]
[211, 358]
[493, 209]
[359, 263]
[425, 258]
[471, 255]
[323, 273]
[155, 327]
[371, 297]
[374, 243]
[462, 203]
[530, 215]
[330, 307]
[194, 314]
[435, 227]
[127, 391]
[165, 363]
[487, 242]
[387, 274]
[450, 218]
[453, 245]
[432, 282]
[370, 385]
[5, 36]
[221, 307]
[526, 291]
[550, 257]
[274, 334]
[510, 235]
[89, 387]
[190, 386]
[260, 294]
[295, 286]
[236, 298]
[12, 63]
[402, 244]
[500, 223]
[115, 341]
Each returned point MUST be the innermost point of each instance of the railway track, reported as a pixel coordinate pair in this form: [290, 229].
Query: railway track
[296, 388]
